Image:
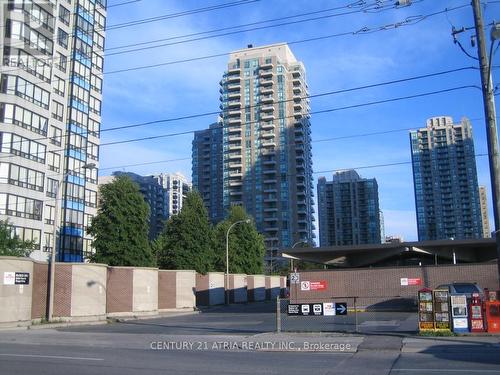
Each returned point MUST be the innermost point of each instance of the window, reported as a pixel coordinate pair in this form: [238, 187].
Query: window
[96, 83]
[24, 89]
[61, 62]
[48, 241]
[27, 234]
[76, 193]
[22, 177]
[14, 114]
[62, 38]
[95, 105]
[57, 110]
[97, 62]
[52, 186]
[50, 214]
[24, 147]
[23, 60]
[36, 40]
[14, 205]
[90, 198]
[91, 175]
[92, 151]
[59, 85]
[64, 15]
[54, 161]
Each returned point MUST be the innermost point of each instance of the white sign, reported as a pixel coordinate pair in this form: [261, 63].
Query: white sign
[9, 278]
[328, 309]
[460, 323]
[305, 285]
[294, 278]
[404, 281]
[305, 309]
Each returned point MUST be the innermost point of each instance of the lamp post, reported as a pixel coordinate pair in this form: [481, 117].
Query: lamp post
[57, 208]
[227, 255]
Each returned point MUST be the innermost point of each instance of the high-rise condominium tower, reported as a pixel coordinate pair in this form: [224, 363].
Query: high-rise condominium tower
[348, 210]
[483, 200]
[207, 169]
[50, 115]
[445, 180]
[267, 164]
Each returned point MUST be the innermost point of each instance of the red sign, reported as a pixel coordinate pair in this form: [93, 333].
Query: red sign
[317, 285]
[407, 281]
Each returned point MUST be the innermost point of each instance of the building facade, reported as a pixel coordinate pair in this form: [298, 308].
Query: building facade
[483, 201]
[348, 210]
[163, 192]
[50, 115]
[267, 161]
[445, 180]
[207, 169]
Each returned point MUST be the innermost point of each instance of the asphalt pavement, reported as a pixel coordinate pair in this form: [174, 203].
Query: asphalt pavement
[239, 340]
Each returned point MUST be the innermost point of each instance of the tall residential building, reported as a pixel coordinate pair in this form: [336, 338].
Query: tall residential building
[445, 180]
[164, 194]
[483, 200]
[176, 187]
[267, 161]
[348, 210]
[50, 115]
[155, 196]
[207, 169]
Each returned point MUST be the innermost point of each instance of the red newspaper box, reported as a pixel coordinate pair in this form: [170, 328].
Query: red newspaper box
[493, 316]
[476, 314]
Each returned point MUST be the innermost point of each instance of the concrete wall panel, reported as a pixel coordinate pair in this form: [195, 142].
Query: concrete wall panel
[185, 289]
[256, 285]
[238, 288]
[216, 284]
[88, 294]
[145, 286]
[15, 300]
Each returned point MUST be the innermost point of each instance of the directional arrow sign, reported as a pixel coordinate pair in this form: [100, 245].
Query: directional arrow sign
[341, 308]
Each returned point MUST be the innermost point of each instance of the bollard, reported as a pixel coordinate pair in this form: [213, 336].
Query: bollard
[278, 314]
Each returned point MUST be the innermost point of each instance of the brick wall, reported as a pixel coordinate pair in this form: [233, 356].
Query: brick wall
[62, 290]
[40, 285]
[378, 284]
[119, 291]
[167, 290]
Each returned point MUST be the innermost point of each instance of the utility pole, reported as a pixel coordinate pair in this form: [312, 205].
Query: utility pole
[491, 124]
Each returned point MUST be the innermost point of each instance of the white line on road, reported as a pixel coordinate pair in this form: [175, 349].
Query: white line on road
[51, 357]
[468, 371]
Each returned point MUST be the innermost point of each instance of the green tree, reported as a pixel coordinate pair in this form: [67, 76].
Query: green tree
[187, 240]
[246, 245]
[12, 245]
[120, 229]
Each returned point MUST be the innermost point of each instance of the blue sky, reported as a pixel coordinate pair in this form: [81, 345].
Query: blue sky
[332, 64]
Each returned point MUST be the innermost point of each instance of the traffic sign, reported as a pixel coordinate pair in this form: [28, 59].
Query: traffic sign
[294, 278]
[341, 308]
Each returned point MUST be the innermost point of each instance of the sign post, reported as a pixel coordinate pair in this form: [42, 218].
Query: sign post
[317, 309]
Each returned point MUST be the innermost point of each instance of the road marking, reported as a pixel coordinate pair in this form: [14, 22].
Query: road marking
[52, 357]
[468, 371]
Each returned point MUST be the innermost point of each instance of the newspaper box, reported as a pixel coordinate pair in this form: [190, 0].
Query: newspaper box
[441, 299]
[460, 321]
[476, 314]
[425, 310]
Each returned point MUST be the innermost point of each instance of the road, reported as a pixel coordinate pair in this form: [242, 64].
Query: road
[231, 341]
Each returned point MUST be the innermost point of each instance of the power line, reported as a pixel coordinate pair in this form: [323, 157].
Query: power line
[364, 30]
[333, 92]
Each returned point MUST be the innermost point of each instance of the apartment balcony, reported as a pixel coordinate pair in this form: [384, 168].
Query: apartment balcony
[296, 73]
[270, 209]
[234, 146]
[266, 73]
[234, 156]
[233, 120]
[296, 81]
[297, 106]
[234, 71]
[268, 99]
[266, 66]
[235, 193]
[235, 173]
[234, 95]
[235, 183]
[233, 87]
[267, 117]
[271, 219]
[269, 172]
[269, 143]
[267, 125]
[236, 112]
[233, 138]
[297, 89]
[269, 162]
[270, 190]
[233, 78]
[267, 108]
[267, 134]
[264, 90]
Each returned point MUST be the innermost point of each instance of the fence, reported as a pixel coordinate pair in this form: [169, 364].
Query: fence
[347, 314]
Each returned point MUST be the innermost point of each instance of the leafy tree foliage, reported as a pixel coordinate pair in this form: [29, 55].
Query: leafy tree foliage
[187, 240]
[246, 245]
[12, 245]
[121, 226]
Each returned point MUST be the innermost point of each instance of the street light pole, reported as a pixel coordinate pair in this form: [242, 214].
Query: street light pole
[227, 255]
[57, 208]
[291, 259]
[490, 114]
